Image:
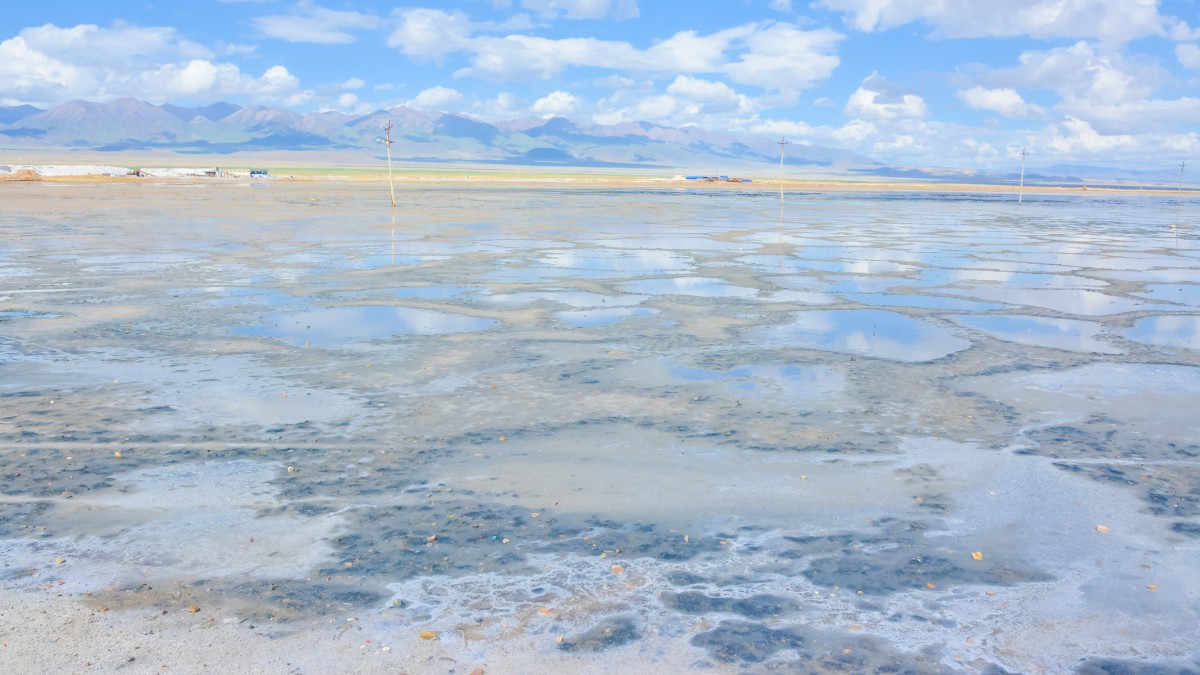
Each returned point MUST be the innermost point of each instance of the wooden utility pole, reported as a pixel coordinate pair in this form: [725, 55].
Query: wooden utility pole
[1179, 188]
[782, 143]
[1021, 189]
[387, 140]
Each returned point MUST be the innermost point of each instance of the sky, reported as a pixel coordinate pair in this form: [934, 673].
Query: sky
[950, 83]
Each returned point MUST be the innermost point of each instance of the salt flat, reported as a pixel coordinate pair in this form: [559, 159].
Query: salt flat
[532, 428]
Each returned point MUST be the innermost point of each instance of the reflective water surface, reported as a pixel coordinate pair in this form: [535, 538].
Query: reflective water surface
[571, 430]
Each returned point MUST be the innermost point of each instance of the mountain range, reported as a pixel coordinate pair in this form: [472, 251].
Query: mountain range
[132, 127]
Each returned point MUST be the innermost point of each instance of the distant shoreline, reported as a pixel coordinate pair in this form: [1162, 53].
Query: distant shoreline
[536, 178]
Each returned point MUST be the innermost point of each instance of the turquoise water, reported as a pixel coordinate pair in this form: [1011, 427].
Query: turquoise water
[572, 428]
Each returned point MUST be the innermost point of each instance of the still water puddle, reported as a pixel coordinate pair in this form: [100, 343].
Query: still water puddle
[26, 314]
[1070, 334]
[600, 317]
[567, 297]
[800, 382]
[1008, 279]
[340, 325]
[921, 302]
[1168, 331]
[706, 287]
[1079, 302]
[867, 332]
[1183, 294]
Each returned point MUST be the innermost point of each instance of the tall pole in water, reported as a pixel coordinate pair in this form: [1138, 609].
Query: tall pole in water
[782, 143]
[1179, 188]
[1021, 189]
[387, 140]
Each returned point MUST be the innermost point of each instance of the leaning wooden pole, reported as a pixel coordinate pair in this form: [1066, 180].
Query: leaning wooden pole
[1021, 189]
[387, 140]
[782, 142]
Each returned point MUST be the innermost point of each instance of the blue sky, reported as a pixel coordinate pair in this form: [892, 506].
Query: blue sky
[958, 83]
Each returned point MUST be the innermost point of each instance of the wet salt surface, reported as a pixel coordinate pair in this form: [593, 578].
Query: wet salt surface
[592, 427]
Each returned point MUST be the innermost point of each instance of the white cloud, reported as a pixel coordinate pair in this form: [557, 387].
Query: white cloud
[518, 57]
[855, 131]
[789, 128]
[655, 108]
[277, 79]
[707, 96]
[48, 64]
[780, 5]
[231, 49]
[895, 143]
[430, 34]
[774, 56]
[1142, 116]
[114, 47]
[1005, 101]
[1188, 55]
[782, 57]
[556, 103]
[1081, 73]
[353, 83]
[437, 98]
[878, 99]
[1075, 136]
[27, 74]
[1106, 20]
[308, 22]
[585, 9]
[504, 106]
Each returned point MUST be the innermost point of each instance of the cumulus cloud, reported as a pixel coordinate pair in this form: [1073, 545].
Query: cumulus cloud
[878, 99]
[430, 34]
[701, 90]
[556, 103]
[1141, 116]
[1188, 55]
[789, 128]
[781, 56]
[855, 131]
[309, 22]
[49, 64]
[1005, 101]
[772, 55]
[504, 106]
[1083, 73]
[437, 98]
[29, 75]
[584, 9]
[1075, 136]
[1105, 20]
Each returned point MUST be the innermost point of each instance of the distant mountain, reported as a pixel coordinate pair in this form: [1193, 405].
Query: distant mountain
[212, 112]
[131, 125]
[1059, 175]
[15, 113]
